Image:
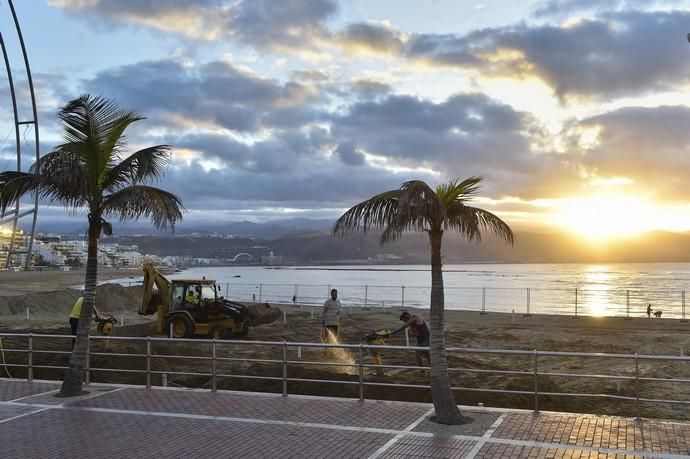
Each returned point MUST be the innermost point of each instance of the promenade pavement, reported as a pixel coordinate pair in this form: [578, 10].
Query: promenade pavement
[127, 421]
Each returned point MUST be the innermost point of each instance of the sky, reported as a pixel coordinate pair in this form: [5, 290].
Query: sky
[576, 113]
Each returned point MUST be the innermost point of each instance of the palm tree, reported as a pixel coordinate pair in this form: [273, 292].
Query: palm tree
[415, 206]
[90, 171]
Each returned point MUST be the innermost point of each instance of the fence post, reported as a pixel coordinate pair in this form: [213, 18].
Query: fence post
[576, 316]
[284, 317]
[402, 299]
[366, 295]
[285, 368]
[213, 365]
[30, 359]
[28, 314]
[361, 373]
[483, 301]
[148, 362]
[261, 288]
[528, 314]
[88, 360]
[682, 315]
[407, 337]
[227, 290]
[627, 305]
[294, 295]
[637, 387]
[536, 382]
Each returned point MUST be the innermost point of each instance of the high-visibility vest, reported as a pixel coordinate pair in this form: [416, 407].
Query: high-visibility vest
[76, 309]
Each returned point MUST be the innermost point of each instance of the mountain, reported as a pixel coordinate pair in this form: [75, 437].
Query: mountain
[321, 247]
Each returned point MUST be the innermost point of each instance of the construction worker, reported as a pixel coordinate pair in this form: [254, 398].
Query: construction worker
[420, 329]
[330, 315]
[75, 314]
[192, 297]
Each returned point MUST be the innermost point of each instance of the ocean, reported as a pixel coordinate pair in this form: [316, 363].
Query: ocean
[617, 289]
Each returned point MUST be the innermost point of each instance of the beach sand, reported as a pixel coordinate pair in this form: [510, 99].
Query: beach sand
[463, 329]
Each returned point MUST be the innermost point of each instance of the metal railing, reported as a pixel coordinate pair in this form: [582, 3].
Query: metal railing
[154, 362]
[577, 302]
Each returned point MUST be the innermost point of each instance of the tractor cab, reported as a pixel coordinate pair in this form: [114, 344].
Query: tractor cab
[196, 309]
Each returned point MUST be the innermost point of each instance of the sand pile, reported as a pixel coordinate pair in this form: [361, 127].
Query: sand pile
[109, 298]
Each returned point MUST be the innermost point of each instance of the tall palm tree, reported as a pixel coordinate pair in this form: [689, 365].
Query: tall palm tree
[90, 171]
[415, 206]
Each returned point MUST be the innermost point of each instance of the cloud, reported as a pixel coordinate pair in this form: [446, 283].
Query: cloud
[264, 24]
[648, 145]
[371, 37]
[216, 93]
[613, 55]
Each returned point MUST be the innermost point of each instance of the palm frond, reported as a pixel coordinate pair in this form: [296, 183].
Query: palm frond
[456, 190]
[469, 222]
[412, 207]
[375, 212]
[136, 201]
[93, 128]
[13, 186]
[146, 164]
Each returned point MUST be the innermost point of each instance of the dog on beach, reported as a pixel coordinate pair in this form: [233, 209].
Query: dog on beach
[657, 314]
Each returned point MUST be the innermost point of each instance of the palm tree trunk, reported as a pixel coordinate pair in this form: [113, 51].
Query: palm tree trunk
[72, 384]
[447, 411]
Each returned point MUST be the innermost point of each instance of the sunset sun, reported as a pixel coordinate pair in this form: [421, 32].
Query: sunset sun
[606, 217]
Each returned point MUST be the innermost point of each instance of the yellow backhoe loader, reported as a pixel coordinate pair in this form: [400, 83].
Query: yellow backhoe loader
[193, 307]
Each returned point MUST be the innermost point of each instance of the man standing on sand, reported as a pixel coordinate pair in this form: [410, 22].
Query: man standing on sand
[330, 314]
[419, 329]
[649, 310]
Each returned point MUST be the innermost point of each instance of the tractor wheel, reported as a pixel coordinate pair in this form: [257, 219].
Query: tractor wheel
[180, 326]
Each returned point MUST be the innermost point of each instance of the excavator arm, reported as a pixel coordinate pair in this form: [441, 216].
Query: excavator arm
[154, 298]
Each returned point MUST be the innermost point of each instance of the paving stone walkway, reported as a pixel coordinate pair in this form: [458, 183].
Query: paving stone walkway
[125, 421]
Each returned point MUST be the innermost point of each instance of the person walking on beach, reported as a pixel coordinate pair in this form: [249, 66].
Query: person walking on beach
[330, 315]
[649, 310]
[419, 329]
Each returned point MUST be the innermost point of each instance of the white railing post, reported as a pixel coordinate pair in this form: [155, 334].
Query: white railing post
[407, 337]
[402, 296]
[361, 373]
[285, 392]
[213, 365]
[576, 316]
[88, 360]
[483, 301]
[148, 362]
[30, 359]
[536, 381]
[528, 314]
[227, 290]
[366, 295]
[637, 386]
[627, 305]
[261, 288]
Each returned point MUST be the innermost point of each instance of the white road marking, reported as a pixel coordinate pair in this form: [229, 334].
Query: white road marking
[473, 452]
[23, 415]
[33, 395]
[395, 439]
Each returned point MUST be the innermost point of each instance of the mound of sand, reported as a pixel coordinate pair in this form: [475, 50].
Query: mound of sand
[109, 298]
